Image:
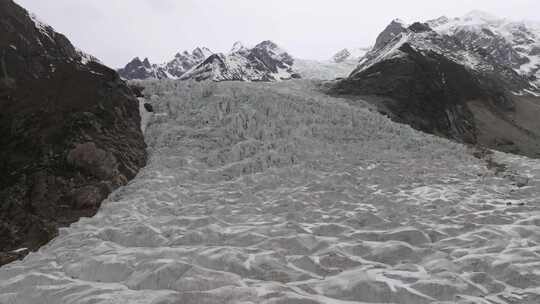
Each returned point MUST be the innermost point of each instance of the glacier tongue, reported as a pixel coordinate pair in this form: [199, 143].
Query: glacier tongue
[276, 193]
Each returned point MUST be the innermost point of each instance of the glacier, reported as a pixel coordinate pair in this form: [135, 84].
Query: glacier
[278, 193]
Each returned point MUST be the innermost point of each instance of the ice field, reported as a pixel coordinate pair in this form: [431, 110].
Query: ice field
[277, 193]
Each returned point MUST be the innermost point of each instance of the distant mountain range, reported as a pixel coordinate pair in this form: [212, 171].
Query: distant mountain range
[174, 69]
[264, 62]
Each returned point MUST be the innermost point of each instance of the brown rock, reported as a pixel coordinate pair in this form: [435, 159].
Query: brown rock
[87, 156]
[88, 197]
[69, 133]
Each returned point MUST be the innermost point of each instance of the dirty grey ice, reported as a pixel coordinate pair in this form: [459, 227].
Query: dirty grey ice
[277, 193]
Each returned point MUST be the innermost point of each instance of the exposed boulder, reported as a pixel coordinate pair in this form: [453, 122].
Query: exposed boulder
[93, 160]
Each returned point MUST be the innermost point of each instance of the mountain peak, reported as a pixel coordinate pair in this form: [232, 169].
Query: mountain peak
[399, 21]
[174, 69]
[237, 47]
[395, 28]
[264, 62]
[146, 63]
[202, 52]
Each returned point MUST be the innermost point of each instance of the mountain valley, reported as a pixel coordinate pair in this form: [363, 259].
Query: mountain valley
[403, 173]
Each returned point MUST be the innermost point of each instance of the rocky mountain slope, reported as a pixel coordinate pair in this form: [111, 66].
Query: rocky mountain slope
[440, 81]
[510, 43]
[69, 132]
[174, 69]
[277, 193]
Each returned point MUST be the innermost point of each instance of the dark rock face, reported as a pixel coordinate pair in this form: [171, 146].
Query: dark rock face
[419, 27]
[394, 29]
[438, 85]
[426, 91]
[137, 69]
[270, 55]
[69, 133]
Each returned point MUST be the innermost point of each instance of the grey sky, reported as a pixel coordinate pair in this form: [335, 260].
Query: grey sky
[117, 30]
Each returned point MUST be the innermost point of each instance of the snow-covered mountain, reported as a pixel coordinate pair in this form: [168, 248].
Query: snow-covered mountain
[183, 62]
[510, 43]
[458, 79]
[264, 62]
[174, 69]
[354, 54]
[421, 38]
[139, 69]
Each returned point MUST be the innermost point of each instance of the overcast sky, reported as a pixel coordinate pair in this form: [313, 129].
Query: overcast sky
[118, 30]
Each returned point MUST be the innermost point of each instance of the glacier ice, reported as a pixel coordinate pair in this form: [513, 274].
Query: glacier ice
[276, 193]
